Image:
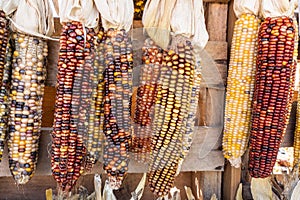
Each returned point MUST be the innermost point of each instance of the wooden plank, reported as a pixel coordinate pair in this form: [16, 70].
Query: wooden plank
[203, 156]
[231, 20]
[216, 21]
[53, 48]
[48, 106]
[231, 181]
[35, 188]
[217, 50]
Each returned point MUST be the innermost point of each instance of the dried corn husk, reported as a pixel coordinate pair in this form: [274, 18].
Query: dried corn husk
[246, 7]
[275, 8]
[32, 17]
[157, 21]
[117, 14]
[83, 11]
[261, 188]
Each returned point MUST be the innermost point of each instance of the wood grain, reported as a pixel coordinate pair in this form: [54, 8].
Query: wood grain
[216, 23]
[231, 180]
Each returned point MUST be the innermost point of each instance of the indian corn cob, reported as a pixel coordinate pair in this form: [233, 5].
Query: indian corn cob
[272, 94]
[188, 132]
[117, 92]
[5, 73]
[297, 127]
[139, 8]
[146, 96]
[95, 132]
[72, 103]
[26, 96]
[171, 108]
[240, 86]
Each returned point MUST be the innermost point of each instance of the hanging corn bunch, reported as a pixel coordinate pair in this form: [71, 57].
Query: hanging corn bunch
[74, 93]
[146, 96]
[171, 137]
[94, 138]
[71, 106]
[273, 90]
[5, 73]
[27, 86]
[240, 84]
[117, 48]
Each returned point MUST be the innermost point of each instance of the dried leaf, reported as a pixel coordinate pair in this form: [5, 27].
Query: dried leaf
[189, 193]
[296, 192]
[239, 192]
[175, 194]
[138, 193]
[261, 188]
[214, 197]
[98, 186]
[49, 194]
[108, 192]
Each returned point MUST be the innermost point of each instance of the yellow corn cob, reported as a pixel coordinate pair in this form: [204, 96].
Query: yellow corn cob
[26, 96]
[272, 96]
[297, 135]
[5, 73]
[139, 8]
[146, 95]
[72, 103]
[172, 107]
[240, 86]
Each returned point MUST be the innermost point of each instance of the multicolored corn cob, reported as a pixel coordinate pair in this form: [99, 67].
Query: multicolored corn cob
[117, 92]
[5, 75]
[188, 132]
[94, 140]
[26, 97]
[297, 127]
[171, 110]
[146, 96]
[73, 96]
[240, 86]
[272, 94]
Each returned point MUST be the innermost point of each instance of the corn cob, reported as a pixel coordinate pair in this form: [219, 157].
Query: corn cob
[117, 92]
[172, 106]
[240, 86]
[26, 96]
[297, 135]
[72, 103]
[5, 73]
[271, 100]
[190, 120]
[146, 95]
[139, 8]
[297, 127]
[95, 135]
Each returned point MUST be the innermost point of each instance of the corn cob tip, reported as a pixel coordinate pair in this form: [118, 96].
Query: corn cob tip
[115, 182]
[21, 179]
[235, 162]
